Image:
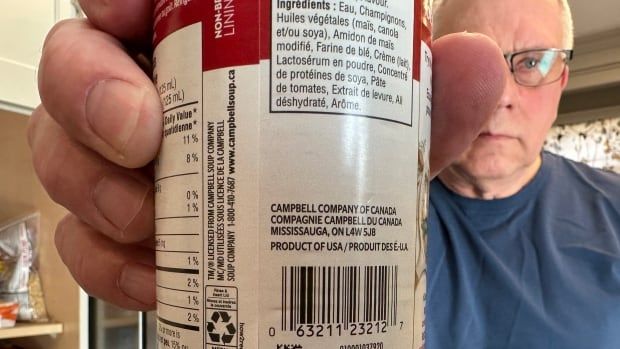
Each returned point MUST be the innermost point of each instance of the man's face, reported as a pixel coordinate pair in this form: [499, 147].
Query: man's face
[512, 140]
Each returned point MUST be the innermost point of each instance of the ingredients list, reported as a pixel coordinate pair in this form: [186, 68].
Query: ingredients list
[343, 57]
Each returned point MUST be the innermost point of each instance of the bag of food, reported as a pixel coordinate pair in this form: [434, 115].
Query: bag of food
[19, 279]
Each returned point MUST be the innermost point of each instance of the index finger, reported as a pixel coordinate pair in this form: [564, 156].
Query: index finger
[125, 19]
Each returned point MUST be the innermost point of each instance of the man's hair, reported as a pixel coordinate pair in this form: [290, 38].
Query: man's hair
[565, 11]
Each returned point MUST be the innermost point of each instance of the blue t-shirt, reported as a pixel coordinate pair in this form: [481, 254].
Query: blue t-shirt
[539, 269]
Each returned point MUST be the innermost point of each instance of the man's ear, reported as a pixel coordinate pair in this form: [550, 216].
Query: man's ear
[564, 78]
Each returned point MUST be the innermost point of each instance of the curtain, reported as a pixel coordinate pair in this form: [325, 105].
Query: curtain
[596, 143]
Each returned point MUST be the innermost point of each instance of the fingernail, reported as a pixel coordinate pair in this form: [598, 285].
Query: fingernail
[137, 281]
[113, 108]
[119, 199]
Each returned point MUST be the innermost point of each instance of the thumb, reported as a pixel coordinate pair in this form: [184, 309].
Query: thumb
[469, 75]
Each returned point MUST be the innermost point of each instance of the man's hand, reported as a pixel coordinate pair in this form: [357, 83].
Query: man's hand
[100, 125]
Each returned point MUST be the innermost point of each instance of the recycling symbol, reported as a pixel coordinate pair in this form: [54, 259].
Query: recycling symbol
[221, 328]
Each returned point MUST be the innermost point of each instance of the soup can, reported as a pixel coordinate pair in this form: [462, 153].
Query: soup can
[291, 188]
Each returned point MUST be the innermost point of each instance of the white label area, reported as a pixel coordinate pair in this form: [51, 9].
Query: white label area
[338, 196]
[343, 57]
[179, 192]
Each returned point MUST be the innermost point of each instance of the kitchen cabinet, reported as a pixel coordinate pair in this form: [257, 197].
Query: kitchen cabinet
[21, 193]
[23, 26]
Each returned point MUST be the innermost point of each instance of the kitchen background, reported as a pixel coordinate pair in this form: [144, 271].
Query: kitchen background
[588, 130]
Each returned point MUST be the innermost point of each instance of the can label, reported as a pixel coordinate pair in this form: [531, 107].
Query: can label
[292, 181]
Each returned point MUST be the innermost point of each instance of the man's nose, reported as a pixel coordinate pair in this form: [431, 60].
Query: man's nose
[510, 95]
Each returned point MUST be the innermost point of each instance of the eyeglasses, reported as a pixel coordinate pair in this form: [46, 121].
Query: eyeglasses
[538, 67]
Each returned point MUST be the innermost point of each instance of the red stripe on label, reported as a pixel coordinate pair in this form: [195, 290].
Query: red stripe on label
[230, 34]
[421, 34]
[169, 18]
[265, 29]
[238, 32]
[230, 28]
[417, 47]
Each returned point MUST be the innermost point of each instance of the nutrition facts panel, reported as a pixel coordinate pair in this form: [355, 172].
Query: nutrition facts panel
[179, 194]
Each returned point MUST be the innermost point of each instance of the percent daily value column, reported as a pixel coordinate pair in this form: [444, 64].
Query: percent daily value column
[178, 222]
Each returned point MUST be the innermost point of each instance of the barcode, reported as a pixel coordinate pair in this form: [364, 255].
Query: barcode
[313, 295]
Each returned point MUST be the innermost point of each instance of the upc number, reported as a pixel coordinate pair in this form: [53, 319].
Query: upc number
[354, 329]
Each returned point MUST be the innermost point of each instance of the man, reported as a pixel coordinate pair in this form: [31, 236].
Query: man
[102, 119]
[524, 248]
